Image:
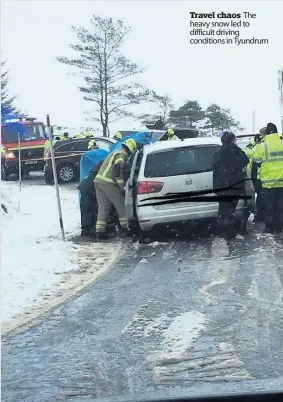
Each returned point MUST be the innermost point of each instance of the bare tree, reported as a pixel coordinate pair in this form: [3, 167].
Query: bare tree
[164, 106]
[106, 71]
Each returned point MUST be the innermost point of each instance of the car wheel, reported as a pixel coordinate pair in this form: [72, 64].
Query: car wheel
[66, 173]
[136, 230]
[4, 173]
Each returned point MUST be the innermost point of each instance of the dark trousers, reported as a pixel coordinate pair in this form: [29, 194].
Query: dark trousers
[88, 206]
[226, 217]
[273, 208]
[89, 212]
[259, 201]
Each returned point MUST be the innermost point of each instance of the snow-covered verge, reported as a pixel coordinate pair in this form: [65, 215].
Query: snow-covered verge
[39, 270]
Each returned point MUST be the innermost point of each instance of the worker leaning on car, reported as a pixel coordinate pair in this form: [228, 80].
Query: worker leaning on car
[110, 188]
[269, 156]
[118, 136]
[169, 135]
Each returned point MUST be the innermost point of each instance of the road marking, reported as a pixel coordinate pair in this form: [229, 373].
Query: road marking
[179, 338]
[141, 326]
[222, 365]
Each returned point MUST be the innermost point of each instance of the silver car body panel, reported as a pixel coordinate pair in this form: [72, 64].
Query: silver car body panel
[151, 215]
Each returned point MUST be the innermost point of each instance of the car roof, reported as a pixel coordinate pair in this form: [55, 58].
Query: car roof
[244, 135]
[163, 145]
[74, 140]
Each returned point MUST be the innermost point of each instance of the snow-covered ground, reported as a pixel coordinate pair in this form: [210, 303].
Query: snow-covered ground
[39, 270]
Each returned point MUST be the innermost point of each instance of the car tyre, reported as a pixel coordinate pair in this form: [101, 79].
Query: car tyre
[66, 173]
[4, 173]
[135, 229]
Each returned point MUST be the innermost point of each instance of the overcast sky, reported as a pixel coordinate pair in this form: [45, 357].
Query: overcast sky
[241, 78]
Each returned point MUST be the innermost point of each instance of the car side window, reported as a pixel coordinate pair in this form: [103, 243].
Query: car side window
[73, 147]
[104, 144]
[82, 146]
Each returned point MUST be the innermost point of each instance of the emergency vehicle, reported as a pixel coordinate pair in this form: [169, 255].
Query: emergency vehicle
[22, 137]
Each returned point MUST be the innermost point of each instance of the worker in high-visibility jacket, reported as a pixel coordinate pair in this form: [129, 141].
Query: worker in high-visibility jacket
[118, 136]
[47, 146]
[169, 135]
[88, 134]
[254, 173]
[79, 135]
[110, 188]
[269, 155]
[92, 145]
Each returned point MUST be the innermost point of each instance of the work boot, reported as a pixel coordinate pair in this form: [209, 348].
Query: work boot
[124, 232]
[102, 236]
[84, 232]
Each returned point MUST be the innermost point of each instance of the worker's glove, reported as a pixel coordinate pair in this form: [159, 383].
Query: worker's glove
[250, 146]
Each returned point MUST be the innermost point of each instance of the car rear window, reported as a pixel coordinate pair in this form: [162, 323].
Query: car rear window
[180, 161]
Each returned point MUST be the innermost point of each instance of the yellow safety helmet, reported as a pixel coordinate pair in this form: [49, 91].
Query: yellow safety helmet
[130, 144]
[79, 135]
[92, 144]
[118, 136]
[170, 131]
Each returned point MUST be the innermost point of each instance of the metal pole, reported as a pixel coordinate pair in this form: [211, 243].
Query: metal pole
[20, 162]
[280, 81]
[253, 121]
[55, 177]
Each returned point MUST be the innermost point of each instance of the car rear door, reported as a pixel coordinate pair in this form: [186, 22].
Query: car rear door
[178, 170]
[129, 190]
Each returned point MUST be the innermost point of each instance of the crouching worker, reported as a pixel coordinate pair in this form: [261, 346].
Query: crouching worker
[110, 188]
[90, 164]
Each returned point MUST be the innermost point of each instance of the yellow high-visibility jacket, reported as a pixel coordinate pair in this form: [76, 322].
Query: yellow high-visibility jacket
[250, 152]
[270, 154]
[111, 169]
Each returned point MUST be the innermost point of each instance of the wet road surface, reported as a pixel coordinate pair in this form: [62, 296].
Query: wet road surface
[176, 318]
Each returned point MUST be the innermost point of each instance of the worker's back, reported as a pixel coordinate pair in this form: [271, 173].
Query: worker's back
[105, 173]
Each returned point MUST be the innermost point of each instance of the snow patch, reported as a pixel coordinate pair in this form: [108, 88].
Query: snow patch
[179, 337]
[224, 365]
[140, 326]
[157, 244]
[39, 270]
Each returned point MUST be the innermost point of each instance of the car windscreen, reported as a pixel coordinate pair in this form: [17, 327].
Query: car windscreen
[35, 131]
[32, 132]
[243, 142]
[180, 161]
[9, 135]
[156, 136]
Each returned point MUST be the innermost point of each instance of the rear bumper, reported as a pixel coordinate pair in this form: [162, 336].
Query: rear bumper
[149, 217]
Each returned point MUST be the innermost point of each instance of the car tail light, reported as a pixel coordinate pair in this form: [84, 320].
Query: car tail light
[149, 187]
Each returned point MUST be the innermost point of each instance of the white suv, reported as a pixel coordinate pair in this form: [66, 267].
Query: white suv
[171, 167]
